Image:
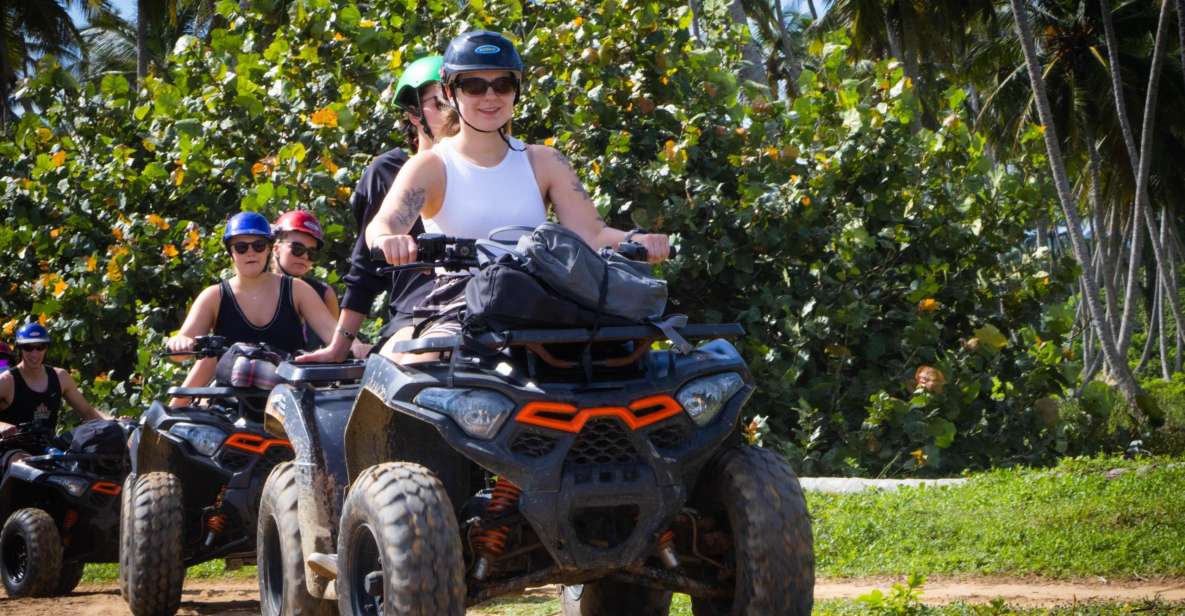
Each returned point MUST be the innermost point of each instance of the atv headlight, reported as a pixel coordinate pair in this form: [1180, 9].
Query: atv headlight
[75, 486]
[479, 412]
[703, 398]
[204, 439]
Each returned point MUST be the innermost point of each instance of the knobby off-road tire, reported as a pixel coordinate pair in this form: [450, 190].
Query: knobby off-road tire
[773, 548]
[125, 532]
[30, 554]
[155, 569]
[398, 518]
[278, 553]
[609, 598]
[70, 577]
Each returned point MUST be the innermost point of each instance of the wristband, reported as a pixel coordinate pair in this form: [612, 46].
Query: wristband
[629, 236]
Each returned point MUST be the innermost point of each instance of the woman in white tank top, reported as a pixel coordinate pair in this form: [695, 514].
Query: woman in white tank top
[481, 179]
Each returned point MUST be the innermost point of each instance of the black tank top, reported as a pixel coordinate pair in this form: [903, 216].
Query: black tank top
[285, 331]
[39, 406]
[312, 340]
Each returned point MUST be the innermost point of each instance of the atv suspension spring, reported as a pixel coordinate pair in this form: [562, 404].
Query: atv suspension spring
[216, 523]
[492, 542]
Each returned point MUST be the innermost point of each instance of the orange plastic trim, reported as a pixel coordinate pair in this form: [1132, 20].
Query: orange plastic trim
[253, 443]
[535, 413]
[106, 487]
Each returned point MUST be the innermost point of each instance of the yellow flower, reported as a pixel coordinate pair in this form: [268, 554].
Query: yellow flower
[103, 377]
[192, 238]
[92, 262]
[42, 319]
[928, 305]
[668, 149]
[59, 159]
[1041, 128]
[337, 36]
[773, 153]
[10, 327]
[366, 23]
[343, 193]
[118, 233]
[44, 134]
[794, 179]
[157, 221]
[169, 251]
[148, 145]
[114, 274]
[60, 288]
[550, 141]
[55, 232]
[327, 162]
[576, 23]
[178, 176]
[919, 457]
[324, 116]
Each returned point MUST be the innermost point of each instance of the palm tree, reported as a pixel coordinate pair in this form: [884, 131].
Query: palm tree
[158, 23]
[1117, 363]
[30, 29]
[118, 45]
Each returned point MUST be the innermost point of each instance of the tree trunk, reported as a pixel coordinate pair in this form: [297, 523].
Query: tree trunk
[1164, 356]
[793, 64]
[1119, 368]
[1100, 240]
[815, 14]
[695, 29]
[752, 67]
[141, 43]
[1153, 325]
[5, 69]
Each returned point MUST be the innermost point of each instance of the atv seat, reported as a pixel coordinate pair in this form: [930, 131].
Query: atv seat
[322, 374]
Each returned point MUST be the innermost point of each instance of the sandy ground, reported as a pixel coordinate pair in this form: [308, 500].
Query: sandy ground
[241, 597]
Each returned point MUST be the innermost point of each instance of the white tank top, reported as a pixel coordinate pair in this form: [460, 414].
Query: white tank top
[479, 199]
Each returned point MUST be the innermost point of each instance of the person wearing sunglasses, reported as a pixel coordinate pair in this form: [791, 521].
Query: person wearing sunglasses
[427, 118]
[298, 238]
[482, 179]
[254, 305]
[32, 391]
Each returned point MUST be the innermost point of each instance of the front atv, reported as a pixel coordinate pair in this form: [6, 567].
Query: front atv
[197, 476]
[60, 511]
[577, 457]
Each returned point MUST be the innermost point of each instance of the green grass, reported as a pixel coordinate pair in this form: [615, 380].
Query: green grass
[109, 572]
[1068, 521]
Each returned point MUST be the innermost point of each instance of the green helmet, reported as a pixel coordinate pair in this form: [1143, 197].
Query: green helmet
[418, 73]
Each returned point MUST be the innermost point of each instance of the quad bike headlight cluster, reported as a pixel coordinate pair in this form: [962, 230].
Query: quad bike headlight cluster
[703, 398]
[204, 439]
[479, 412]
[75, 486]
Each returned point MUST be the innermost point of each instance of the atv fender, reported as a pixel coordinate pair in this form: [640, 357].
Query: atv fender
[314, 422]
[152, 446]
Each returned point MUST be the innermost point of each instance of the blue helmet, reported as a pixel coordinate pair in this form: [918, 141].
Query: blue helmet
[32, 333]
[247, 223]
[480, 50]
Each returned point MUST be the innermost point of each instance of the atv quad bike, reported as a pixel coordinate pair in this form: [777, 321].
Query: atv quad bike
[60, 511]
[194, 490]
[581, 457]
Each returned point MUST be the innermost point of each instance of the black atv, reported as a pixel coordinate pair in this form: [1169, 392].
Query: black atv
[579, 457]
[60, 508]
[197, 475]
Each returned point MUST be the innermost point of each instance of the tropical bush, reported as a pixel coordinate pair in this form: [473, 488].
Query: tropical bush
[897, 320]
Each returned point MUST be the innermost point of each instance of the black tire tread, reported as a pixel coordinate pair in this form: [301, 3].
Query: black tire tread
[125, 533]
[771, 531]
[155, 569]
[70, 577]
[44, 545]
[279, 503]
[418, 539]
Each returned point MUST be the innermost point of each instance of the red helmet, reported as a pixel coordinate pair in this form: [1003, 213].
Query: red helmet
[300, 220]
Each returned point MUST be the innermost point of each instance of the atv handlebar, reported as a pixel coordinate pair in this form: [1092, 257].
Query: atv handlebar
[203, 346]
[456, 254]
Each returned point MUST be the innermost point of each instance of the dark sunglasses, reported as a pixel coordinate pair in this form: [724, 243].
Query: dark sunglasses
[33, 347]
[300, 250]
[476, 86]
[257, 246]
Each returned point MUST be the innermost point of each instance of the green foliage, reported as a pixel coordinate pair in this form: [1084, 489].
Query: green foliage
[901, 600]
[1075, 520]
[897, 322]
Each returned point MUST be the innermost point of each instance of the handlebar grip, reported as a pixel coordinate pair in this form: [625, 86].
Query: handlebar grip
[376, 254]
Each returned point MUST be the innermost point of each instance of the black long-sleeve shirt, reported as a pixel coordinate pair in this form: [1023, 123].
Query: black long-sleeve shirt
[363, 283]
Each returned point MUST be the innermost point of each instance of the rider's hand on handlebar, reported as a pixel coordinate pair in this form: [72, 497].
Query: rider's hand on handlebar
[658, 246]
[8, 430]
[397, 249]
[180, 344]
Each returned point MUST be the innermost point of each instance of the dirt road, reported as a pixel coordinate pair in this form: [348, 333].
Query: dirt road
[241, 597]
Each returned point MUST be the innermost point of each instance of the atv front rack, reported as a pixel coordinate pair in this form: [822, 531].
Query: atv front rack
[537, 341]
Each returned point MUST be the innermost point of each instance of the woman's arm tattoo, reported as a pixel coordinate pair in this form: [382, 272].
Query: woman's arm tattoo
[410, 204]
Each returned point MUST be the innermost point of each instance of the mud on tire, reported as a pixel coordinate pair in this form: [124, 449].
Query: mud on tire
[125, 532]
[398, 520]
[759, 496]
[30, 554]
[608, 598]
[70, 577]
[154, 567]
[278, 552]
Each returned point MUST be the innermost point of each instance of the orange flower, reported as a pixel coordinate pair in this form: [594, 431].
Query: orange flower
[806, 201]
[930, 379]
[42, 319]
[192, 239]
[59, 159]
[325, 116]
[60, 288]
[92, 263]
[668, 149]
[55, 232]
[928, 305]
[169, 251]
[327, 162]
[258, 169]
[10, 327]
[118, 233]
[919, 457]
[114, 274]
[157, 221]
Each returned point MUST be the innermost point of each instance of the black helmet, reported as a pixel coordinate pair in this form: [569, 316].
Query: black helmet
[480, 50]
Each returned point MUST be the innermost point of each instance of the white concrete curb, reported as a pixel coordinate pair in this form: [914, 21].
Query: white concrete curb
[852, 485]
